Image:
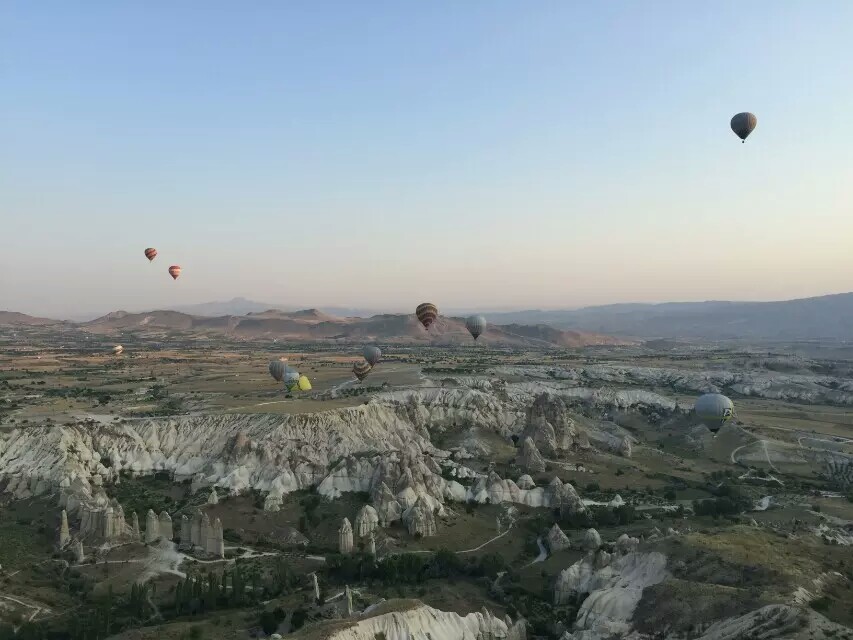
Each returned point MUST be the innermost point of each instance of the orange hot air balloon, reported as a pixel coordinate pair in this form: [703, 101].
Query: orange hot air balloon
[174, 271]
[150, 253]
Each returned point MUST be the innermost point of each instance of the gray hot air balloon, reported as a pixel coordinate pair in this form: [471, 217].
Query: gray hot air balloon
[714, 410]
[743, 124]
[372, 354]
[476, 325]
[277, 368]
[291, 375]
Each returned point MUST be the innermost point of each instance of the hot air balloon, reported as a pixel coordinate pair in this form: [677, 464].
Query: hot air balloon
[476, 325]
[150, 253]
[714, 410]
[304, 383]
[118, 349]
[743, 124]
[291, 376]
[174, 271]
[277, 370]
[426, 313]
[372, 354]
[361, 369]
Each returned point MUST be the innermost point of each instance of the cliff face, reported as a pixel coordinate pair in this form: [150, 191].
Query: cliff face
[352, 449]
[412, 620]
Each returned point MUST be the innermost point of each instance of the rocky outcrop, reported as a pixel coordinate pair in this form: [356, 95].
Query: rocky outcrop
[135, 532]
[550, 425]
[415, 620]
[526, 482]
[419, 519]
[79, 556]
[625, 448]
[215, 541]
[774, 621]
[152, 527]
[616, 502]
[371, 544]
[613, 590]
[165, 526]
[388, 510]
[591, 540]
[345, 544]
[626, 544]
[186, 532]
[557, 540]
[529, 457]
[64, 533]
[366, 521]
[212, 498]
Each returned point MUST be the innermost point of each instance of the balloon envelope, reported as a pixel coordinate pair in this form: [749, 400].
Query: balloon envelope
[427, 313]
[304, 383]
[290, 375]
[743, 124]
[118, 349]
[361, 369]
[714, 410]
[476, 325]
[150, 253]
[277, 370]
[174, 271]
[372, 355]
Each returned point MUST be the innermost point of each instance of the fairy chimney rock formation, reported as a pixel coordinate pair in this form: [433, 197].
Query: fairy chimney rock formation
[366, 521]
[186, 531]
[135, 532]
[591, 540]
[78, 551]
[371, 544]
[212, 498]
[419, 519]
[152, 527]
[388, 508]
[345, 537]
[216, 542]
[64, 534]
[557, 540]
[195, 530]
[529, 457]
[625, 448]
[165, 522]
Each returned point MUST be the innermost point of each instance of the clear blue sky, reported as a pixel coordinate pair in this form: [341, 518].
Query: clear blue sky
[476, 153]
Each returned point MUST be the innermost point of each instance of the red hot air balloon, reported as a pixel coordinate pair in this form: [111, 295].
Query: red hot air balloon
[427, 314]
[174, 271]
[150, 253]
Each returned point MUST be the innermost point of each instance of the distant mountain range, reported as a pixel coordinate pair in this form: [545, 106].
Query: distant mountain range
[242, 306]
[820, 318]
[313, 324]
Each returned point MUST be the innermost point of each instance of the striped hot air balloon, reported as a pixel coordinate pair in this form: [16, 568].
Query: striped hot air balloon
[372, 354]
[427, 313]
[174, 271]
[361, 369]
[150, 253]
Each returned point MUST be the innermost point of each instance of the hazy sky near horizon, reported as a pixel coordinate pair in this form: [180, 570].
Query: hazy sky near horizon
[492, 153]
